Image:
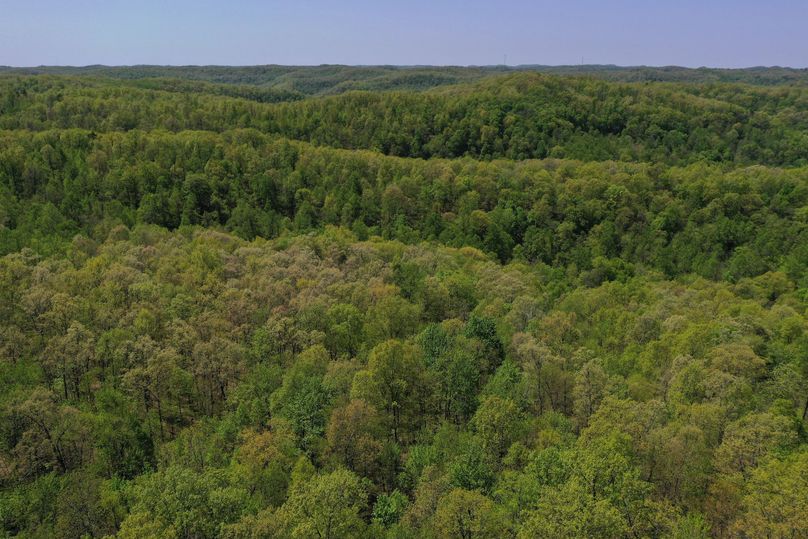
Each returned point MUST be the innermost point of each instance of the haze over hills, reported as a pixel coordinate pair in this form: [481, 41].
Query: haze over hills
[328, 79]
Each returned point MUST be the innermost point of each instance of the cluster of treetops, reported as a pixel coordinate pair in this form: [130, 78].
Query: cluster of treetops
[236, 311]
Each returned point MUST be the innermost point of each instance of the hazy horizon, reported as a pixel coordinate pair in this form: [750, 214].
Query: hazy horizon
[404, 66]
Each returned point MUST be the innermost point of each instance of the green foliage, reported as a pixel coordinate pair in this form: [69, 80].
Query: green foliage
[467, 514]
[326, 506]
[389, 508]
[178, 501]
[211, 327]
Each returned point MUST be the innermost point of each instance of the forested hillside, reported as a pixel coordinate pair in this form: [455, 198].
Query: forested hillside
[334, 79]
[517, 116]
[522, 306]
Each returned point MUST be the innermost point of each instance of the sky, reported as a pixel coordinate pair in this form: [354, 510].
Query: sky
[692, 33]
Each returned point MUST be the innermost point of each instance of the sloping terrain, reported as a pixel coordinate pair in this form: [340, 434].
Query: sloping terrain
[517, 305]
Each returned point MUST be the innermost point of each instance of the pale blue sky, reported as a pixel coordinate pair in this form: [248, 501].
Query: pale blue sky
[716, 33]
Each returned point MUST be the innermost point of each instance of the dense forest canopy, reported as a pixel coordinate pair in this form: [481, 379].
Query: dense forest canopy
[518, 116]
[454, 304]
[330, 79]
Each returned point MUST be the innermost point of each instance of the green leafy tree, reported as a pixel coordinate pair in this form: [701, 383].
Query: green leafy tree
[394, 383]
[468, 515]
[326, 506]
